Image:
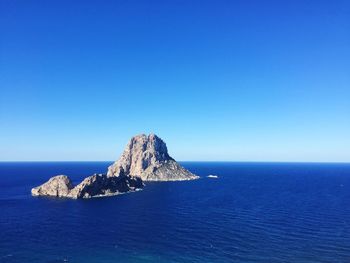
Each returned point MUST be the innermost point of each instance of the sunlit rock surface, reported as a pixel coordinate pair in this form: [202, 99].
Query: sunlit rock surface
[146, 156]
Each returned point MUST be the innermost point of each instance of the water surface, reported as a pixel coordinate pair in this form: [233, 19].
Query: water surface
[254, 212]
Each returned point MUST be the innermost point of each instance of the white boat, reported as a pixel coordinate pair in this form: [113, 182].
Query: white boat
[212, 176]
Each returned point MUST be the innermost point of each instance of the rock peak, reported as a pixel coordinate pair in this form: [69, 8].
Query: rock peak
[146, 156]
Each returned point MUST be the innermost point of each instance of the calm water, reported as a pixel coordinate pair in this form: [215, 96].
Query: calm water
[254, 212]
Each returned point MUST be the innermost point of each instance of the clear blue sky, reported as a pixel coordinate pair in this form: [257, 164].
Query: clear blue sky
[217, 80]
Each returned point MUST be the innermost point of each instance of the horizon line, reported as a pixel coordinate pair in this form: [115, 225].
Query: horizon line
[198, 161]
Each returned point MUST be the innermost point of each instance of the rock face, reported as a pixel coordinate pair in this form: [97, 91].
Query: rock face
[147, 157]
[58, 186]
[101, 185]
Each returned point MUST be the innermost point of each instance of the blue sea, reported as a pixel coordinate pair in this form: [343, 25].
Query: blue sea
[254, 212]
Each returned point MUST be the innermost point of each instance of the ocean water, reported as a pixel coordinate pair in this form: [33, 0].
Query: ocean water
[254, 212]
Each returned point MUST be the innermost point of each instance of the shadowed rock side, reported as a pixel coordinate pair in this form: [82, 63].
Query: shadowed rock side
[92, 186]
[147, 157]
[101, 185]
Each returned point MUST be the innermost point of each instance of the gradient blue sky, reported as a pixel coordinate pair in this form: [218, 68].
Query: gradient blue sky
[217, 80]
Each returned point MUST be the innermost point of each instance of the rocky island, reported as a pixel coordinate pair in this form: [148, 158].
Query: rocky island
[145, 158]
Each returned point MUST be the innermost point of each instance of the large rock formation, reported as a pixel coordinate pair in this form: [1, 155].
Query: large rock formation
[147, 157]
[92, 186]
[58, 186]
[101, 185]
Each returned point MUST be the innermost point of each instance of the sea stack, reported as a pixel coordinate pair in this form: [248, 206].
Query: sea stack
[146, 156]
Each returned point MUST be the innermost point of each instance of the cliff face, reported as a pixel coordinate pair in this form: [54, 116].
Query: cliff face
[147, 157]
[144, 158]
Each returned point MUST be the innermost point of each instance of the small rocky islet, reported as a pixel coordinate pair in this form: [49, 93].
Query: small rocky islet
[145, 158]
